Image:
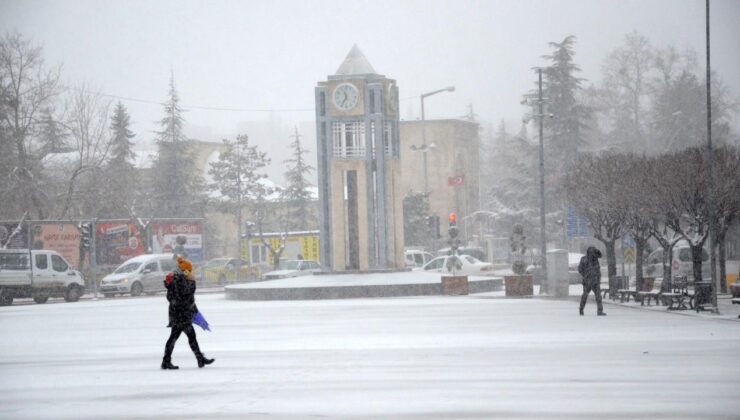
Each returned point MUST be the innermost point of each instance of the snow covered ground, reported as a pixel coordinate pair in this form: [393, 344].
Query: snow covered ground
[419, 357]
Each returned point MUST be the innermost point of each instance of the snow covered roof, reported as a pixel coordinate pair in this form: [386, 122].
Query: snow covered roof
[60, 160]
[355, 64]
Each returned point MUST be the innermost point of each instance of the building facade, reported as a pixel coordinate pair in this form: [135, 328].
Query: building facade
[453, 148]
[359, 168]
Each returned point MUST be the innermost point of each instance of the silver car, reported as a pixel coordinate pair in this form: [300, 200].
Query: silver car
[142, 274]
[293, 268]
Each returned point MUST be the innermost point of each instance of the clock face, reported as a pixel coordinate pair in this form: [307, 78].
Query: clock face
[346, 96]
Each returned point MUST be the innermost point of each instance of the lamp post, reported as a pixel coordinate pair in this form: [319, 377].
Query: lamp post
[424, 148]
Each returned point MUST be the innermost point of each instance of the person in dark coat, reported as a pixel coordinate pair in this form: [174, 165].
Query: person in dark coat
[181, 293]
[590, 271]
[170, 297]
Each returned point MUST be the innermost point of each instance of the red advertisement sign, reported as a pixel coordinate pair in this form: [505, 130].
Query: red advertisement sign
[116, 242]
[168, 237]
[63, 238]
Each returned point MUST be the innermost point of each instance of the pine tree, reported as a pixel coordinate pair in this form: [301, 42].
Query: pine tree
[52, 134]
[177, 188]
[570, 117]
[416, 227]
[237, 177]
[297, 196]
[120, 173]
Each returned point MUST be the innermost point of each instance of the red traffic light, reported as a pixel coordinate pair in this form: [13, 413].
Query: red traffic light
[453, 219]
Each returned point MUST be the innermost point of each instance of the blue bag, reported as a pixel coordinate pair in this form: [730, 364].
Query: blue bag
[199, 320]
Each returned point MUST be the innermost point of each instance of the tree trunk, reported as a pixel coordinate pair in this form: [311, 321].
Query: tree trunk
[696, 253]
[611, 258]
[639, 250]
[722, 264]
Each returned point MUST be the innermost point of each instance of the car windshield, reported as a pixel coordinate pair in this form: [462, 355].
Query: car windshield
[290, 265]
[128, 268]
[472, 260]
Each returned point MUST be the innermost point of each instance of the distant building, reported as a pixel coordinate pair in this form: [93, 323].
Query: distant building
[453, 149]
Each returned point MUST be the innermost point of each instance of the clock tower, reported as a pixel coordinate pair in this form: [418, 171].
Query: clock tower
[361, 202]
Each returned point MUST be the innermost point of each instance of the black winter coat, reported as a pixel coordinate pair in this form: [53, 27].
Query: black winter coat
[589, 267]
[181, 294]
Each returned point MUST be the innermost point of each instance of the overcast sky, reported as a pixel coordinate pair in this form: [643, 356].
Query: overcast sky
[268, 55]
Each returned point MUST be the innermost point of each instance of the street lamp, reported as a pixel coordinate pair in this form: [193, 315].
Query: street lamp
[424, 146]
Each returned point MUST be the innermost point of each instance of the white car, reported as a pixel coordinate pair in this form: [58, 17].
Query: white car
[459, 264]
[142, 274]
[293, 268]
[417, 258]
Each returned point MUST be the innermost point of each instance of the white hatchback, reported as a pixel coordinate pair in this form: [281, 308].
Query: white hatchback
[459, 264]
[144, 273]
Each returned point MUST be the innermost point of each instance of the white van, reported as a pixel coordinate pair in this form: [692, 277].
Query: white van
[142, 274]
[417, 257]
[49, 276]
[681, 262]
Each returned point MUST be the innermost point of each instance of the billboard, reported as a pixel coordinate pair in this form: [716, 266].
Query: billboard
[61, 237]
[116, 242]
[165, 237]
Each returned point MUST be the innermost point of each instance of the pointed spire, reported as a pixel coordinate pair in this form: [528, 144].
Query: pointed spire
[355, 64]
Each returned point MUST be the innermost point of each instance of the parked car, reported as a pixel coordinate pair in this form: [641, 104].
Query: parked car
[142, 274]
[293, 268]
[417, 257]
[223, 270]
[465, 265]
[681, 263]
[475, 252]
[50, 276]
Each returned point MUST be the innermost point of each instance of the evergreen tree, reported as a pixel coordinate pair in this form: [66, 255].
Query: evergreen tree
[52, 134]
[120, 173]
[562, 88]
[177, 188]
[297, 196]
[237, 177]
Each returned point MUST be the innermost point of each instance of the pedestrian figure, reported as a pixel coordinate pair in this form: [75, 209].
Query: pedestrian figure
[590, 271]
[181, 290]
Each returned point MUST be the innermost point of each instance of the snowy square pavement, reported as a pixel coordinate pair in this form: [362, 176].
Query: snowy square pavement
[425, 357]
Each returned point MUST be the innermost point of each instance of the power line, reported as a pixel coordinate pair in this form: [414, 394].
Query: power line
[186, 106]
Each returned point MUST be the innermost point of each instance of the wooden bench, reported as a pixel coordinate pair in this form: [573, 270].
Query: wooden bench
[648, 292]
[736, 301]
[679, 297]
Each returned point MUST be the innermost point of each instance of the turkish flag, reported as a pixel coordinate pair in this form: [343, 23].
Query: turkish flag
[456, 181]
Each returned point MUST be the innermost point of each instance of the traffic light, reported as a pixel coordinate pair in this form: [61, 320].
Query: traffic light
[453, 231]
[86, 235]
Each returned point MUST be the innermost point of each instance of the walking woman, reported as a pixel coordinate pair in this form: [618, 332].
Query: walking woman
[181, 293]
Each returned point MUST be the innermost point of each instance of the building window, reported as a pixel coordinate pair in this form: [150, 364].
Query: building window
[322, 104]
[348, 139]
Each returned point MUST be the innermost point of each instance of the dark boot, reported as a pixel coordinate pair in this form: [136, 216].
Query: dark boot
[167, 365]
[580, 311]
[601, 314]
[202, 360]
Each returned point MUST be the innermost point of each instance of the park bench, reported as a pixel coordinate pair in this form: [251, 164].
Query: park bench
[615, 284]
[702, 298]
[678, 298]
[654, 293]
[736, 301]
[637, 294]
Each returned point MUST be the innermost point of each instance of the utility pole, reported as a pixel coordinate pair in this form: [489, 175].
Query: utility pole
[710, 171]
[543, 235]
[238, 210]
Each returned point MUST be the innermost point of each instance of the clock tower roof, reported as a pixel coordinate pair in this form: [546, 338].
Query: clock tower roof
[355, 64]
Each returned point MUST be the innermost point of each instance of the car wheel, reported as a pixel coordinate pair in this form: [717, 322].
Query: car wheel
[73, 294]
[40, 299]
[6, 299]
[136, 289]
[221, 280]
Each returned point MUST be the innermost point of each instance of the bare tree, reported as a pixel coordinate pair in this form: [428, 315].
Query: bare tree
[27, 87]
[595, 190]
[88, 125]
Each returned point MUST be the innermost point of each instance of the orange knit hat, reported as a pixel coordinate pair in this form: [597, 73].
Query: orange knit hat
[184, 265]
